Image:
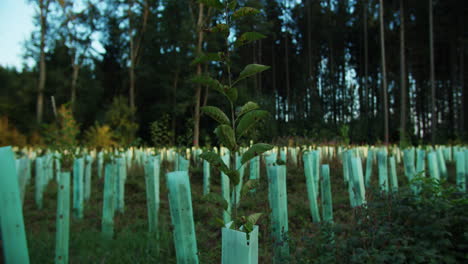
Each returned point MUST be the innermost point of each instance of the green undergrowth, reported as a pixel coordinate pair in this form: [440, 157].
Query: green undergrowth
[399, 228]
[429, 227]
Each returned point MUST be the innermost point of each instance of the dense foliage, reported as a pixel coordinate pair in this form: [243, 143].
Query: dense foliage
[429, 227]
[324, 57]
[402, 227]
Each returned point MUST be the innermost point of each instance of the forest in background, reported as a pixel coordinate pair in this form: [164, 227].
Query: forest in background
[331, 78]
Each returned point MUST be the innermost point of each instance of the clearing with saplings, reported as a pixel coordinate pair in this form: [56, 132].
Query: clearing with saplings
[236, 132]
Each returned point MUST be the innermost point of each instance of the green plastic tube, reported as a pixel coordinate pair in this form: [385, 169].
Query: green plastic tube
[393, 174]
[225, 189]
[254, 166]
[278, 198]
[108, 204]
[39, 182]
[327, 203]
[152, 170]
[358, 181]
[344, 161]
[352, 189]
[433, 165]
[369, 162]
[441, 164]
[461, 173]
[63, 219]
[120, 179]
[180, 203]
[87, 177]
[421, 163]
[100, 164]
[310, 183]
[237, 247]
[383, 171]
[235, 199]
[78, 187]
[206, 177]
[182, 164]
[408, 160]
[15, 248]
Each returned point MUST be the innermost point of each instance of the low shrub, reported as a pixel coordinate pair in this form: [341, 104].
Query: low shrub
[429, 227]
[100, 137]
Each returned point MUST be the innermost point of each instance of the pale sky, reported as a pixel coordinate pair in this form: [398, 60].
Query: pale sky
[16, 25]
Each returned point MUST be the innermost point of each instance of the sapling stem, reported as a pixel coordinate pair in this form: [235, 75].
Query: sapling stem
[232, 153]
[249, 113]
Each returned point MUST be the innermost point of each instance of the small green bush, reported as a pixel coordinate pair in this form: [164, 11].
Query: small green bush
[63, 133]
[120, 117]
[100, 137]
[161, 135]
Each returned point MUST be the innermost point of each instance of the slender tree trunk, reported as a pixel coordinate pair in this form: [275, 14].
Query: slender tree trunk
[42, 80]
[131, 72]
[332, 85]
[135, 44]
[260, 61]
[402, 74]
[343, 88]
[464, 93]
[366, 68]
[309, 53]
[175, 84]
[452, 93]
[433, 93]
[74, 81]
[205, 96]
[43, 9]
[207, 90]
[384, 72]
[417, 107]
[361, 78]
[288, 85]
[131, 68]
[273, 77]
[196, 116]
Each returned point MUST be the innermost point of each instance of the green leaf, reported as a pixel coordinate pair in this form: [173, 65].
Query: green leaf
[206, 57]
[216, 199]
[255, 150]
[232, 5]
[208, 81]
[215, 161]
[216, 113]
[249, 120]
[231, 94]
[250, 70]
[226, 135]
[221, 28]
[244, 11]
[248, 227]
[212, 3]
[249, 185]
[220, 222]
[253, 218]
[234, 176]
[249, 106]
[248, 37]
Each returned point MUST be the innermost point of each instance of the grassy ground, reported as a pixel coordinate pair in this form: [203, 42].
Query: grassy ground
[133, 244]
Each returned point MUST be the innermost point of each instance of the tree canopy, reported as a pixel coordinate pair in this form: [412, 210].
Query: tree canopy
[326, 76]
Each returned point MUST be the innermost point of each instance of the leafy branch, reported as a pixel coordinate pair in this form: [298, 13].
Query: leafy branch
[231, 127]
